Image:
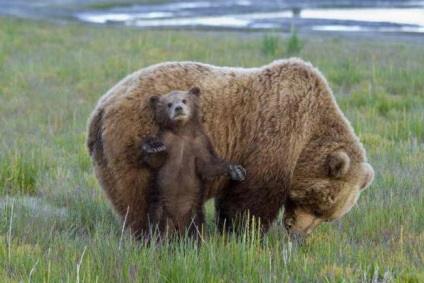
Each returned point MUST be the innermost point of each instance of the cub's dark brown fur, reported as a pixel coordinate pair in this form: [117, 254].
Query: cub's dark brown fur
[182, 157]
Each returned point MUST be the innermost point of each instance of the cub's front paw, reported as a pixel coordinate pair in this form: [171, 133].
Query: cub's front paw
[153, 144]
[236, 172]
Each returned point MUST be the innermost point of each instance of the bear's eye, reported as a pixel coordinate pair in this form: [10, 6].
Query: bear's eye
[184, 101]
[317, 213]
[169, 105]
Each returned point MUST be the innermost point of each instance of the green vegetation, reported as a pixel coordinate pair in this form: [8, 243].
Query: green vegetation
[56, 224]
[270, 44]
[294, 44]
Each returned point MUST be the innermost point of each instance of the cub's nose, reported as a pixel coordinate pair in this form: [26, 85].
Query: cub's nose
[178, 109]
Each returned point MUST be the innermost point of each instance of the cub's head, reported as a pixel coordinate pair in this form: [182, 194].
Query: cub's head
[176, 107]
[326, 184]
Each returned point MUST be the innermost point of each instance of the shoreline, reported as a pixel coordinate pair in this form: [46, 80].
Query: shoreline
[64, 12]
[366, 36]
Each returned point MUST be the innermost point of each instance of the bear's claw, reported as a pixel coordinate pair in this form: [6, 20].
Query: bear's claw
[236, 172]
[154, 148]
[152, 144]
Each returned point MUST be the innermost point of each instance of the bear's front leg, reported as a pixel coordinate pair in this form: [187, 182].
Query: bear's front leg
[218, 167]
[152, 144]
[153, 151]
[257, 197]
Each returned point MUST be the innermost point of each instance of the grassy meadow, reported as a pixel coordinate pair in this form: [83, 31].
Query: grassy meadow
[55, 221]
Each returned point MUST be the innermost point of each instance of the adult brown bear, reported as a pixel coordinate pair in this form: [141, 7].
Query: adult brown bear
[280, 121]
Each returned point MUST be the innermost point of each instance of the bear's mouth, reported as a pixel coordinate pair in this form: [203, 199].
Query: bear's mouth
[179, 116]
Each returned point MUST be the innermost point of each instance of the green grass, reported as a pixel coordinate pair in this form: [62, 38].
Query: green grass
[270, 43]
[51, 78]
[294, 44]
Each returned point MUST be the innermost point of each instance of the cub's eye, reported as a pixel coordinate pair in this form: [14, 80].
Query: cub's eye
[184, 101]
[169, 105]
[317, 213]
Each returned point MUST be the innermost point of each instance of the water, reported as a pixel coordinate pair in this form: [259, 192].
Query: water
[323, 15]
[381, 16]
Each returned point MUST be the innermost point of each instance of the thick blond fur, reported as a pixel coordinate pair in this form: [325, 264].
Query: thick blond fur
[280, 121]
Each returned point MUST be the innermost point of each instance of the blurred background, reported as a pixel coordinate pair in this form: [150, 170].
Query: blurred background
[322, 15]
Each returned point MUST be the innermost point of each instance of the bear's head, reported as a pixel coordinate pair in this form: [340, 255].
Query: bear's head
[176, 108]
[326, 184]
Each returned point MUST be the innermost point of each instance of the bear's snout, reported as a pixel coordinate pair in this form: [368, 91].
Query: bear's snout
[288, 223]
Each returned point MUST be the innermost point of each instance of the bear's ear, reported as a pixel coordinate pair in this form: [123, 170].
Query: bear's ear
[338, 164]
[368, 172]
[154, 100]
[195, 90]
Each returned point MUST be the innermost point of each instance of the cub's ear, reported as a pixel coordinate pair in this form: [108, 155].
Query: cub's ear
[194, 90]
[154, 100]
[368, 172]
[338, 164]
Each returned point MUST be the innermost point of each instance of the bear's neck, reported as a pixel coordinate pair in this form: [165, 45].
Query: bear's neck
[190, 128]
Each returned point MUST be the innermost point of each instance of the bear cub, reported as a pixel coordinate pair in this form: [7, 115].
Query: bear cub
[182, 159]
